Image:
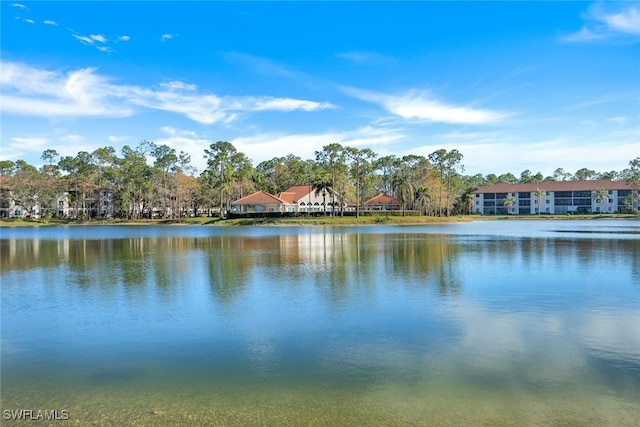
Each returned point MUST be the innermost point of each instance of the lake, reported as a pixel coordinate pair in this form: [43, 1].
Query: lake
[517, 322]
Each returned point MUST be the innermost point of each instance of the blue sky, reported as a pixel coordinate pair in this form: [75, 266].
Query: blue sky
[511, 85]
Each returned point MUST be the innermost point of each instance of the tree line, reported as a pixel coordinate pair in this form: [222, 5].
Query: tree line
[156, 178]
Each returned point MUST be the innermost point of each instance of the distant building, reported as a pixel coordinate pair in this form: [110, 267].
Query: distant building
[560, 197]
[296, 199]
[308, 199]
[98, 203]
[382, 202]
[261, 202]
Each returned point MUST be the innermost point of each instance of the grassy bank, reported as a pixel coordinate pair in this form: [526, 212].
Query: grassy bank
[365, 220]
[304, 221]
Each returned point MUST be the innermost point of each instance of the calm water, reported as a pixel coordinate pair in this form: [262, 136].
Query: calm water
[484, 323]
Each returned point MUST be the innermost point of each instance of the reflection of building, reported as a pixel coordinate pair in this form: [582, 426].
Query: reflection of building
[556, 197]
[296, 199]
[382, 202]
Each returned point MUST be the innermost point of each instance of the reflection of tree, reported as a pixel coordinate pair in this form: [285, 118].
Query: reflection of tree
[427, 258]
[228, 265]
[337, 264]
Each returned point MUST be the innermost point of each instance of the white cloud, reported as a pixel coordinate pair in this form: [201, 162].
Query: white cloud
[260, 65]
[363, 57]
[29, 21]
[166, 37]
[117, 139]
[70, 138]
[20, 6]
[421, 106]
[28, 143]
[177, 85]
[83, 39]
[261, 147]
[619, 120]
[96, 40]
[288, 104]
[266, 146]
[98, 37]
[178, 132]
[627, 21]
[604, 21]
[124, 38]
[32, 91]
[49, 22]
[503, 153]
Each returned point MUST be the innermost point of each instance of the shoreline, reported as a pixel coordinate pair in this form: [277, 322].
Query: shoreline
[313, 221]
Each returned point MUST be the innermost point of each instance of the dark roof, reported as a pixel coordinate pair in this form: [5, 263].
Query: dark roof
[555, 186]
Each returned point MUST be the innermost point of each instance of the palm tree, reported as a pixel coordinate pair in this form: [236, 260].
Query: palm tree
[402, 187]
[321, 187]
[600, 196]
[422, 198]
[508, 203]
[466, 200]
[539, 195]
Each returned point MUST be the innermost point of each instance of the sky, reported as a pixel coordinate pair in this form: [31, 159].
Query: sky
[511, 85]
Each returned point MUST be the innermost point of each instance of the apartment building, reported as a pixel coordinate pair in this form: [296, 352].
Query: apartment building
[556, 197]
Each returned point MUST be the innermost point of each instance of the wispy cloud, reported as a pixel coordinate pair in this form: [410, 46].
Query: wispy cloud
[505, 150]
[50, 22]
[20, 6]
[98, 38]
[619, 120]
[98, 41]
[166, 37]
[265, 146]
[268, 145]
[285, 104]
[124, 38]
[415, 105]
[260, 65]
[29, 143]
[604, 21]
[35, 92]
[363, 57]
[66, 144]
[117, 139]
[32, 91]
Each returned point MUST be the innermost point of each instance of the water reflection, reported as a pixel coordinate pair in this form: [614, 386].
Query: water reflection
[329, 310]
[337, 260]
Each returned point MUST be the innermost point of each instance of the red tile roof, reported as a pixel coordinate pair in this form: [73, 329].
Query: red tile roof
[555, 186]
[259, 198]
[295, 193]
[382, 199]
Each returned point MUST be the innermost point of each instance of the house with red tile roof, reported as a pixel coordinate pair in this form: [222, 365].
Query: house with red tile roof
[308, 200]
[295, 199]
[262, 202]
[382, 202]
[556, 197]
